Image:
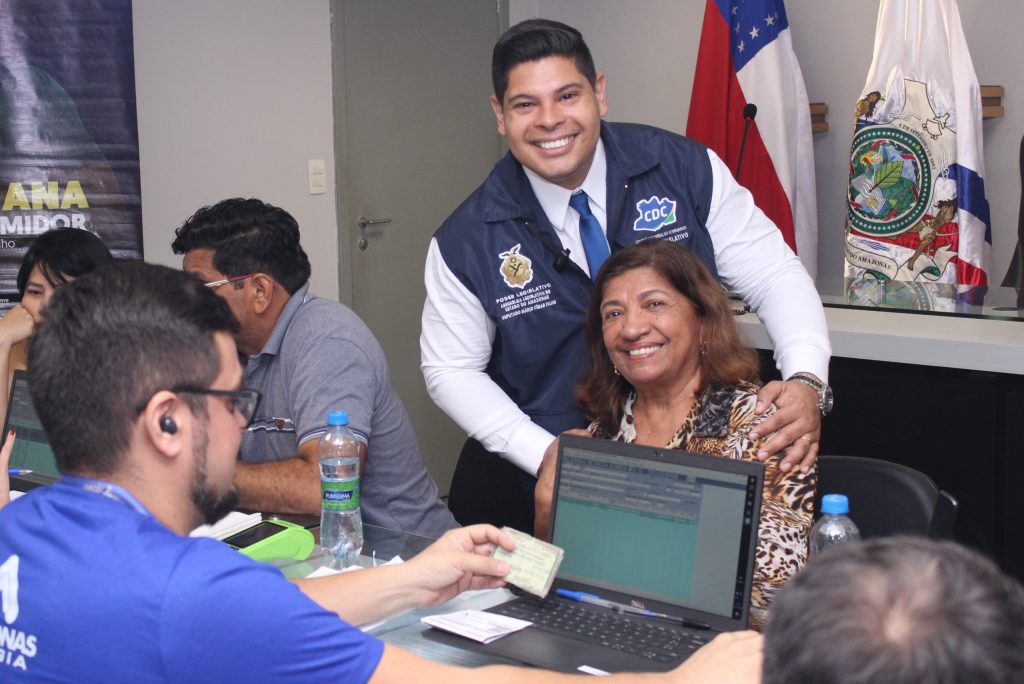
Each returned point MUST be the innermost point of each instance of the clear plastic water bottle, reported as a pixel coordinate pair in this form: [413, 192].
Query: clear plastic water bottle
[833, 527]
[341, 525]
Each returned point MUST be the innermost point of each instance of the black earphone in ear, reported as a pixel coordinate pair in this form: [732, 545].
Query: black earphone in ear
[168, 425]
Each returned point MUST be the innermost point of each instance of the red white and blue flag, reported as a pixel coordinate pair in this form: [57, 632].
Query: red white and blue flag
[746, 57]
[917, 211]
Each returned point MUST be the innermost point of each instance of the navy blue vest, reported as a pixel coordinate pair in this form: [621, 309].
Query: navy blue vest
[501, 246]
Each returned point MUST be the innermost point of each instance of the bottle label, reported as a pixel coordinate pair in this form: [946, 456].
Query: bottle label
[340, 496]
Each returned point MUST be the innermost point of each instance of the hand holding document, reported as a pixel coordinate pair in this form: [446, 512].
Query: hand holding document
[533, 563]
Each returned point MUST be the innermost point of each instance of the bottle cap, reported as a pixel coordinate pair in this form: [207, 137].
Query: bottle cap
[835, 504]
[337, 418]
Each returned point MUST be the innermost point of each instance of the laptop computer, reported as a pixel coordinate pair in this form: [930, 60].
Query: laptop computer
[31, 447]
[667, 531]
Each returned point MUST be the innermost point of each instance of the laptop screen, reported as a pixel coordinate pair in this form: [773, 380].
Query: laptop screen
[667, 525]
[31, 447]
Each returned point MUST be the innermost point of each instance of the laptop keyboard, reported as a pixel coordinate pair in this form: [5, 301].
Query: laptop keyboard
[647, 639]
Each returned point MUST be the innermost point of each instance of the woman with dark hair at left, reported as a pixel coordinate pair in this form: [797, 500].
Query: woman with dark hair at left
[56, 257]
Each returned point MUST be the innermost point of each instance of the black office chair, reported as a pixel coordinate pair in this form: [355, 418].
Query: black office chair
[887, 498]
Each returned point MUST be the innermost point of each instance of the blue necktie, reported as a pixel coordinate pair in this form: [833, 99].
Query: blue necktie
[594, 243]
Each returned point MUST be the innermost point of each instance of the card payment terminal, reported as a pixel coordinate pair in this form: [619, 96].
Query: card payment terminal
[272, 539]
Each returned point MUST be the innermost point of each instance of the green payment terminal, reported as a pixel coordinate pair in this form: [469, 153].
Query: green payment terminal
[272, 539]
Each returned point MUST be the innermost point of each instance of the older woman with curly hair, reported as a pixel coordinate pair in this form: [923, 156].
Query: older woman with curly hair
[667, 369]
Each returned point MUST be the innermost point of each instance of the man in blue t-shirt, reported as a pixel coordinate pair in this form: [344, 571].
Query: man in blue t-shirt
[135, 376]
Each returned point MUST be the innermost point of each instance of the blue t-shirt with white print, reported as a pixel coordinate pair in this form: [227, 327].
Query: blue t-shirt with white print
[93, 590]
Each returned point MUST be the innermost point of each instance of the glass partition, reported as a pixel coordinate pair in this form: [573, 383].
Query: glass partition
[998, 303]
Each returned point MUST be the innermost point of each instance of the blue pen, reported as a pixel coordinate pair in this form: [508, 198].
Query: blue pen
[14, 472]
[595, 600]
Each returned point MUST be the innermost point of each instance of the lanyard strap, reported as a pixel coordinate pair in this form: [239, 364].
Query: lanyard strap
[107, 489]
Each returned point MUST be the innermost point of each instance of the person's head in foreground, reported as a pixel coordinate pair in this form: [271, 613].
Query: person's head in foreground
[54, 258]
[900, 610]
[657, 322]
[142, 356]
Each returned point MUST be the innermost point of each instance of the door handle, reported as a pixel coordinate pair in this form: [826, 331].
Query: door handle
[363, 222]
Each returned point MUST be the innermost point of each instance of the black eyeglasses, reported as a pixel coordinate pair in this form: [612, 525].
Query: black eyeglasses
[244, 401]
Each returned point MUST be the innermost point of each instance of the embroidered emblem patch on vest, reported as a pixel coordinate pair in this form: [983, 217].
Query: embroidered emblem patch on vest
[516, 269]
[654, 213]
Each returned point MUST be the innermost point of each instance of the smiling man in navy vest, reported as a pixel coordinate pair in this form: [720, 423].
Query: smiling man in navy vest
[508, 275]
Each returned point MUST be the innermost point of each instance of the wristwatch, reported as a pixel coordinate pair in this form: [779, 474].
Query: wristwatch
[825, 399]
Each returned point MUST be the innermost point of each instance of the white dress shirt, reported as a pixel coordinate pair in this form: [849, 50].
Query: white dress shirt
[554, 200]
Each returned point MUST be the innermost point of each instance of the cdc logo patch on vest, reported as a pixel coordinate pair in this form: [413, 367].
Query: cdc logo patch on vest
[654, 213]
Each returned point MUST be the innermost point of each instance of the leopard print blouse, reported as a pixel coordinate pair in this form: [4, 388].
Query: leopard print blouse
[718, 425]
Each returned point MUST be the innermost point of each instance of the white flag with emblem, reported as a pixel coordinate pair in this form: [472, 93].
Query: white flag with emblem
[918, 228]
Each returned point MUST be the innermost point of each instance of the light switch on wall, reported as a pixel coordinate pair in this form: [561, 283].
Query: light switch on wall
[317, 177]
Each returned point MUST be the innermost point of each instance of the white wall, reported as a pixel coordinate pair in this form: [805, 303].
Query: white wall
[234, 96]
[648, 50]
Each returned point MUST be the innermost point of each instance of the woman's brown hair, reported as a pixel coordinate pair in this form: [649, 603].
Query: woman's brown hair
[602, 393]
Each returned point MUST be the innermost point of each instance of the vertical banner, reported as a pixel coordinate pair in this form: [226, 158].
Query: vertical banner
[746, 57]
[69, 148]
[918, 232]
